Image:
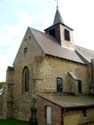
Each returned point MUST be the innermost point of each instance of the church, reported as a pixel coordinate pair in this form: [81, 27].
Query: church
[54, 75]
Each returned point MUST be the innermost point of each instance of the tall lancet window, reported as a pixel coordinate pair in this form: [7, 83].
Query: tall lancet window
[59, 85]
[25, 79]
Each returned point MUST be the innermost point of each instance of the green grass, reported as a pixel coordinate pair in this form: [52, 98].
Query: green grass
[13, 122]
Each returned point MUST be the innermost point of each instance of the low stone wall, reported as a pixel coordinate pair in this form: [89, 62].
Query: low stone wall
[3, 105]
[73, 117]
[22, 107]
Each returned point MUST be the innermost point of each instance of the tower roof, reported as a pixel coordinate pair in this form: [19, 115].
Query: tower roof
[58, 17]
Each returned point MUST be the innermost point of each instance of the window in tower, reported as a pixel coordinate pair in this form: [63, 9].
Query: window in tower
[52, 32]
[66, 35]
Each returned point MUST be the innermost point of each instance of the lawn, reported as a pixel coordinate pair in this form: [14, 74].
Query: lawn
[13, 122]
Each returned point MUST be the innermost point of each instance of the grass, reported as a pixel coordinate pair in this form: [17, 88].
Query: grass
[13, 122]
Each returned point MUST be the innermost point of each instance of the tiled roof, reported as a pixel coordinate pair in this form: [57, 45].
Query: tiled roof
[50, 46]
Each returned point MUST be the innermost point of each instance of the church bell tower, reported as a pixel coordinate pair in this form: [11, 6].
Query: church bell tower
[61, 32]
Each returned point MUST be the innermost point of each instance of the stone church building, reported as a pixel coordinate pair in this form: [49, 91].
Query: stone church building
[49, 65]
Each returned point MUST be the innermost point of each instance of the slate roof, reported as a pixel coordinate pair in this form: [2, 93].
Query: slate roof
[58, 18]
[69, 101]
[50, 46]
[86, 53]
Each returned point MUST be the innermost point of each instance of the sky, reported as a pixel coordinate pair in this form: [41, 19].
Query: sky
[17, 15]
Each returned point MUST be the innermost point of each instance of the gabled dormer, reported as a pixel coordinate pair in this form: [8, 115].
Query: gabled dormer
[61, 32]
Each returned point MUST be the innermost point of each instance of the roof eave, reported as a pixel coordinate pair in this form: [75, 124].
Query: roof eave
[65, 59]
[59, 24]
[76, 107]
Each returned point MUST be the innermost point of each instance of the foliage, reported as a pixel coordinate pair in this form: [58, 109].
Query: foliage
[2, 84]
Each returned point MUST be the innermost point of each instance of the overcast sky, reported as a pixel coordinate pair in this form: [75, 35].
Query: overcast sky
[17, 15]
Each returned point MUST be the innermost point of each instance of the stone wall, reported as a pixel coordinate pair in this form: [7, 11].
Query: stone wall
[43, 72]
[73, 117]
[64, 43]
[3, 104]
[29, 60]
[10, 86]
[22, 107]
[50, 68]
[76, 117]
[19, 103]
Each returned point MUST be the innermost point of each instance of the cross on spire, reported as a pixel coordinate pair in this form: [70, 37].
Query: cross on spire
[57, 4]
[58, 17]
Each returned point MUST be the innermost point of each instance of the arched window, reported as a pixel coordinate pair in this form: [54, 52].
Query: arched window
[25, 79]
[59, 85]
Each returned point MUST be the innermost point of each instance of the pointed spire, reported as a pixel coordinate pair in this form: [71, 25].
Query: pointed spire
[58, 17]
